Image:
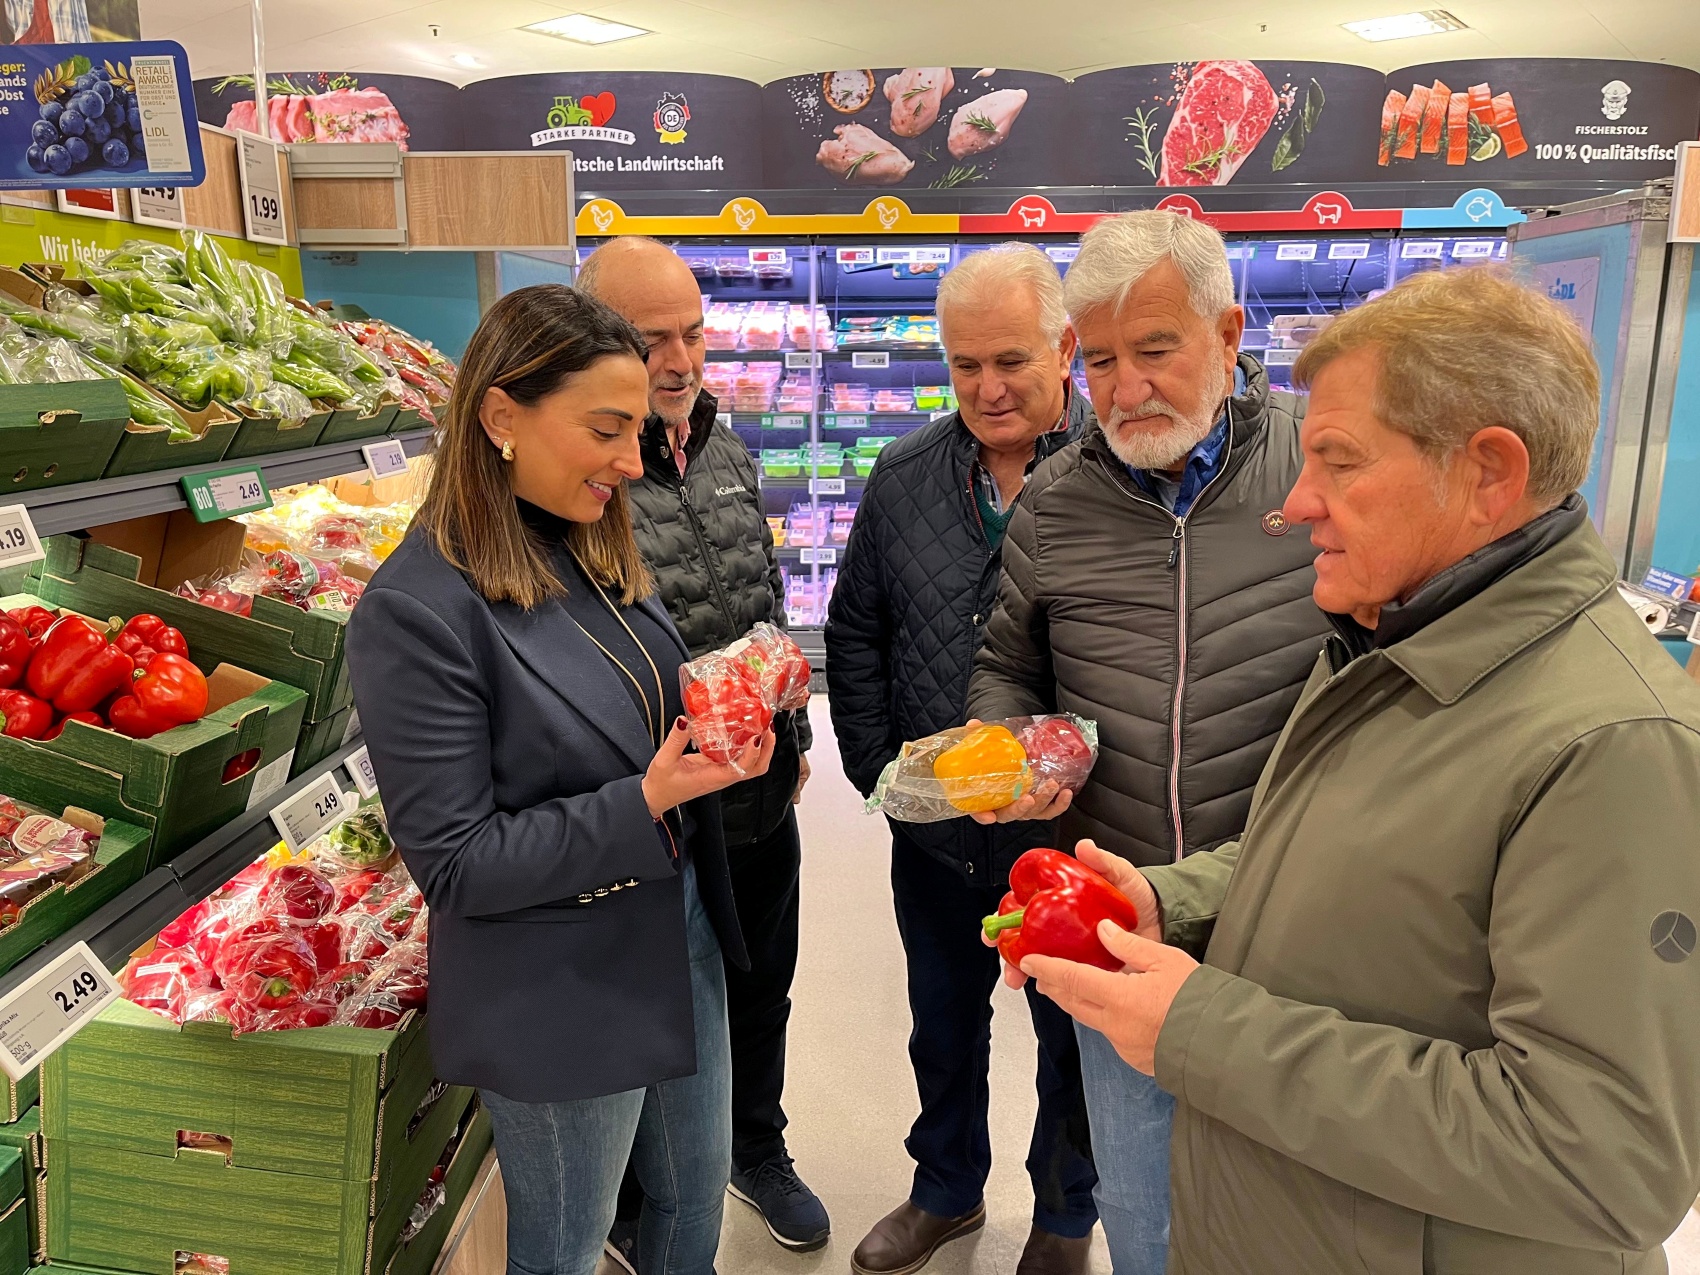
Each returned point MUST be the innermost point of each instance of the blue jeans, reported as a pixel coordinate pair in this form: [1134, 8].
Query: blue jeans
[562, 1161]
[1130, 1145]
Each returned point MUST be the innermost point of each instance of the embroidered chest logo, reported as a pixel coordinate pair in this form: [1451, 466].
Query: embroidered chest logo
[1275, 523]
[731, 491]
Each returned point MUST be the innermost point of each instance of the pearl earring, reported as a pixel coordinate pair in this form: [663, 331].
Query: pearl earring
[508, 450]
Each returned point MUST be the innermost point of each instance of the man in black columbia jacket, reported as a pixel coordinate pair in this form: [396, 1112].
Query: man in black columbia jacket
[918, 586]
[698, 517]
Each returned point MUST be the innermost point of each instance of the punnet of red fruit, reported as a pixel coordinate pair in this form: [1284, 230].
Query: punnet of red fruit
[332, 936]
[731, 695]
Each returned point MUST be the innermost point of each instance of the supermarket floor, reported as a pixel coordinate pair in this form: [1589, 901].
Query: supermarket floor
[849, 1092]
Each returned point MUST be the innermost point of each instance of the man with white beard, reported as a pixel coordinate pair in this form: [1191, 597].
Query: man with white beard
[1151, 583]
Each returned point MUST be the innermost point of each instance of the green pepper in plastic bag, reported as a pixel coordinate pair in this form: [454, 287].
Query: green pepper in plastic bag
[363, 839]
[312, 381]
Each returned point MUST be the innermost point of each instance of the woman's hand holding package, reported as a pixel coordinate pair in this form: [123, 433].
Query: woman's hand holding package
[675, 776]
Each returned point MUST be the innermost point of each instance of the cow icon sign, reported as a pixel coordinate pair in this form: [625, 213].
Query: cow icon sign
[1032, 218]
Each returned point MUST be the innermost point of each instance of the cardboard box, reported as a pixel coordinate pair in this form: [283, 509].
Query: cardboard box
[418, 1255]
[142, 449]
[186, 782]
[24, 1135]
[345, 426]
[264, 435]
[325, 1137]
[56, 434]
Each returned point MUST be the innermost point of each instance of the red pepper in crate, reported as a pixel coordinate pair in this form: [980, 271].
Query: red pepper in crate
[87, 717]
[146, 636]
[35, 620]
[1053, 908]
[169, 692]
[24, 716]
[266, 967]
[297, 892]
[76, 667]
[16, 647]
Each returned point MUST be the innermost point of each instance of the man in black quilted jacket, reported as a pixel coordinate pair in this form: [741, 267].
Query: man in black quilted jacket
[916, 589]
[698, 517]
[1151, 583]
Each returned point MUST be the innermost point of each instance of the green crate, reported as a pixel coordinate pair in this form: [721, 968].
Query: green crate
[407, 419]
[320, 739]
[264, 435]
[17, 1097]
[345, 426]
[56, 434]
[144, 449]
[174, 785]
[24, 1135]
[331, 1137]
[15, 1244]
[301, 648]
[419, 1254]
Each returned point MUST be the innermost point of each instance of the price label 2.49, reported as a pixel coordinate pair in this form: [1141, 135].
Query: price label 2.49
[51, 1007]
[312, 812]
[18, 542]
[222, 493]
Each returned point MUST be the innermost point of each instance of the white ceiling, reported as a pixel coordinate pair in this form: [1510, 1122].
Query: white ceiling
[766, 39]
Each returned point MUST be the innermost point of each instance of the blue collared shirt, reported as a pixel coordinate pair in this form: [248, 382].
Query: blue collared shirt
[1203, 463]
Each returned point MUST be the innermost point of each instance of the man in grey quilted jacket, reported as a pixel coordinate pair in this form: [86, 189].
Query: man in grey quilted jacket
[1152, 584]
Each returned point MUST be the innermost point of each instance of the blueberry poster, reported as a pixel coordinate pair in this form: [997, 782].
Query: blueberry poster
[1218, 122]
[936, 127]
[1528, 119]
[412, 111]
[627, 130]
[78, 115]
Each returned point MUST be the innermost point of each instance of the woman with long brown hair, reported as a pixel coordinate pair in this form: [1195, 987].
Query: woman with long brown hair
[519, 693]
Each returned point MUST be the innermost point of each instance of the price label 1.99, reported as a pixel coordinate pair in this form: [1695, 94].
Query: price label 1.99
[359, 765]
[312, 812]
[262, 190]
[222, 493]
[385, 458]
[18, 542]
[51, 1007]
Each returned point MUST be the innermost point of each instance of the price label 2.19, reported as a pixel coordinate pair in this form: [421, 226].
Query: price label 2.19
[51, 1007]
[385, 459]
[221, 493]
[312, 812]
[18, 542]
[359, 765]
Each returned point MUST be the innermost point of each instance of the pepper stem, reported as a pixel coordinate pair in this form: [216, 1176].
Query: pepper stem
[996, 925]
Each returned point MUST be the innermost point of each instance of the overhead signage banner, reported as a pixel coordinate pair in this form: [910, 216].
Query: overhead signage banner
[97, 115]
[933, 127]
[412, 111]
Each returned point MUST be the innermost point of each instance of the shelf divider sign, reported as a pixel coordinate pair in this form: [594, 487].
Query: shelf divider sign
[18, 542]
[262, 190]
[222, 493]
[52, 1006]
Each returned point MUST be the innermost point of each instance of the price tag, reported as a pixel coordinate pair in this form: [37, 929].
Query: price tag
[269, 778]
[52, 1007]
[935, 255]
[1694, 629]
[844, 420]
[896, 256]
[1421, 248]
[359, 765]
[312, 812]
[855, 256]
[870, 358]
[262, 191]
[826, 486]
[351, 729]
[1348, 251]
[770, 421]
[1063, 253]
[18, 542]
[826, 557]
[220, 493]
[1667, 584]
[1465, 249]
[385, 459]
[801, 358]
[768, 256]
[1295, 252]
[158, 206]
[723, 418]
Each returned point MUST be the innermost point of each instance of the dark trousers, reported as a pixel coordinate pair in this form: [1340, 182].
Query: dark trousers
[951, 977]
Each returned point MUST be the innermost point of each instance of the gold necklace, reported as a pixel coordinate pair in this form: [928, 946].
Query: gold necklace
[660, 697]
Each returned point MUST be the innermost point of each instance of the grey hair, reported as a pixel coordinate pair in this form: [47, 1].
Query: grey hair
[1119, 251]
[589, 274]
[988, 276]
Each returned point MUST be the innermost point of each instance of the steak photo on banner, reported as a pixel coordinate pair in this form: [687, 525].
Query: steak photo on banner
[935, 127]
[412, 111]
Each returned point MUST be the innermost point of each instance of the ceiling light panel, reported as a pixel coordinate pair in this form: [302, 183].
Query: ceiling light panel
[581, 28]
[1402, 26]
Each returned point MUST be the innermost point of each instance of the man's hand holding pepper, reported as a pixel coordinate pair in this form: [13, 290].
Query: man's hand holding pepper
[1126, 878]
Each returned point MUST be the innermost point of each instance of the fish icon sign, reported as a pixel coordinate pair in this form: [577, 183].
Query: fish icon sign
[1326, 213]
[1479, 209]
[1032, 218]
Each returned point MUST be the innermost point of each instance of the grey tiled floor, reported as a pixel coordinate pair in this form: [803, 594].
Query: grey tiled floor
[849, 1091]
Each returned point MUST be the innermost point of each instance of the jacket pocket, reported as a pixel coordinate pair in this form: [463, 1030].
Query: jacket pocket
[543, 914]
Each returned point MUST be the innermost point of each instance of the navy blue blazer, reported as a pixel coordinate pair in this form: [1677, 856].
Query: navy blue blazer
[511, 765]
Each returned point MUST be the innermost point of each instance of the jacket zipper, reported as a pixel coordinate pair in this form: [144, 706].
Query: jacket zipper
[707, 557]
[1178, 564]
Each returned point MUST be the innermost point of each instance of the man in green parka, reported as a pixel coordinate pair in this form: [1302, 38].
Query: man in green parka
[1448, 1016]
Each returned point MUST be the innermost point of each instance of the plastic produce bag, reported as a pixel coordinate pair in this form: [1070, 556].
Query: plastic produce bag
[970, 769]
[732, 694]
[284, 402]
[92, 322]
[361, 841]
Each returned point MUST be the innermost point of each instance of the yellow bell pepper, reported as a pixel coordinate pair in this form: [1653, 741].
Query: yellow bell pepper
[985, 770]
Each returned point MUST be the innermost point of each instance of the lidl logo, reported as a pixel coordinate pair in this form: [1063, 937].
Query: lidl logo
[581, 119]
[672, 113]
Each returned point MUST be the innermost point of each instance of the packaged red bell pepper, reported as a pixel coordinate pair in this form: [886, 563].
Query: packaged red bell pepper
[266, 965]
[1053, 908]
[731, 695]
[76, 667]
[297, 893]
[168, 692]
[970, 769]
[164, 980]
[782, 670]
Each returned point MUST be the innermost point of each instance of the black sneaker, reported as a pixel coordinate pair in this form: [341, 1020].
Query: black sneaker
[793, 1213]
[621, 1244]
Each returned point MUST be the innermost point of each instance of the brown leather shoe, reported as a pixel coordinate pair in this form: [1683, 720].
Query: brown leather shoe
[1048, 1254]
[905, 1239]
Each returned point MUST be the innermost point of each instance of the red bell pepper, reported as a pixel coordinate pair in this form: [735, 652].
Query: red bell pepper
[24, 716]
[297, 892]
[76, 667]
[16, 647]
[36, 620]
[168, 692]
[146, 636]
[1053, 908]
[88, 717]
[265, 967]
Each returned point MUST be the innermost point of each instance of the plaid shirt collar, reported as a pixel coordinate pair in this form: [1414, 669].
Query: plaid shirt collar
[986, 487]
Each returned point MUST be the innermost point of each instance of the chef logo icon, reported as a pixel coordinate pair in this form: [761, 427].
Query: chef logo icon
[672, 113]
[1275, 523]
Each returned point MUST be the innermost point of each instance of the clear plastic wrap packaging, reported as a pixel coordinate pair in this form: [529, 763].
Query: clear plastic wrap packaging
[972, 769]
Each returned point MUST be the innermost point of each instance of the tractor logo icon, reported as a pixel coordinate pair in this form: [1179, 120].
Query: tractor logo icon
[590, 111]
[672, 113]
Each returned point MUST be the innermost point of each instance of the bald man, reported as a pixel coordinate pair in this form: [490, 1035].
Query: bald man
[700, 522]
